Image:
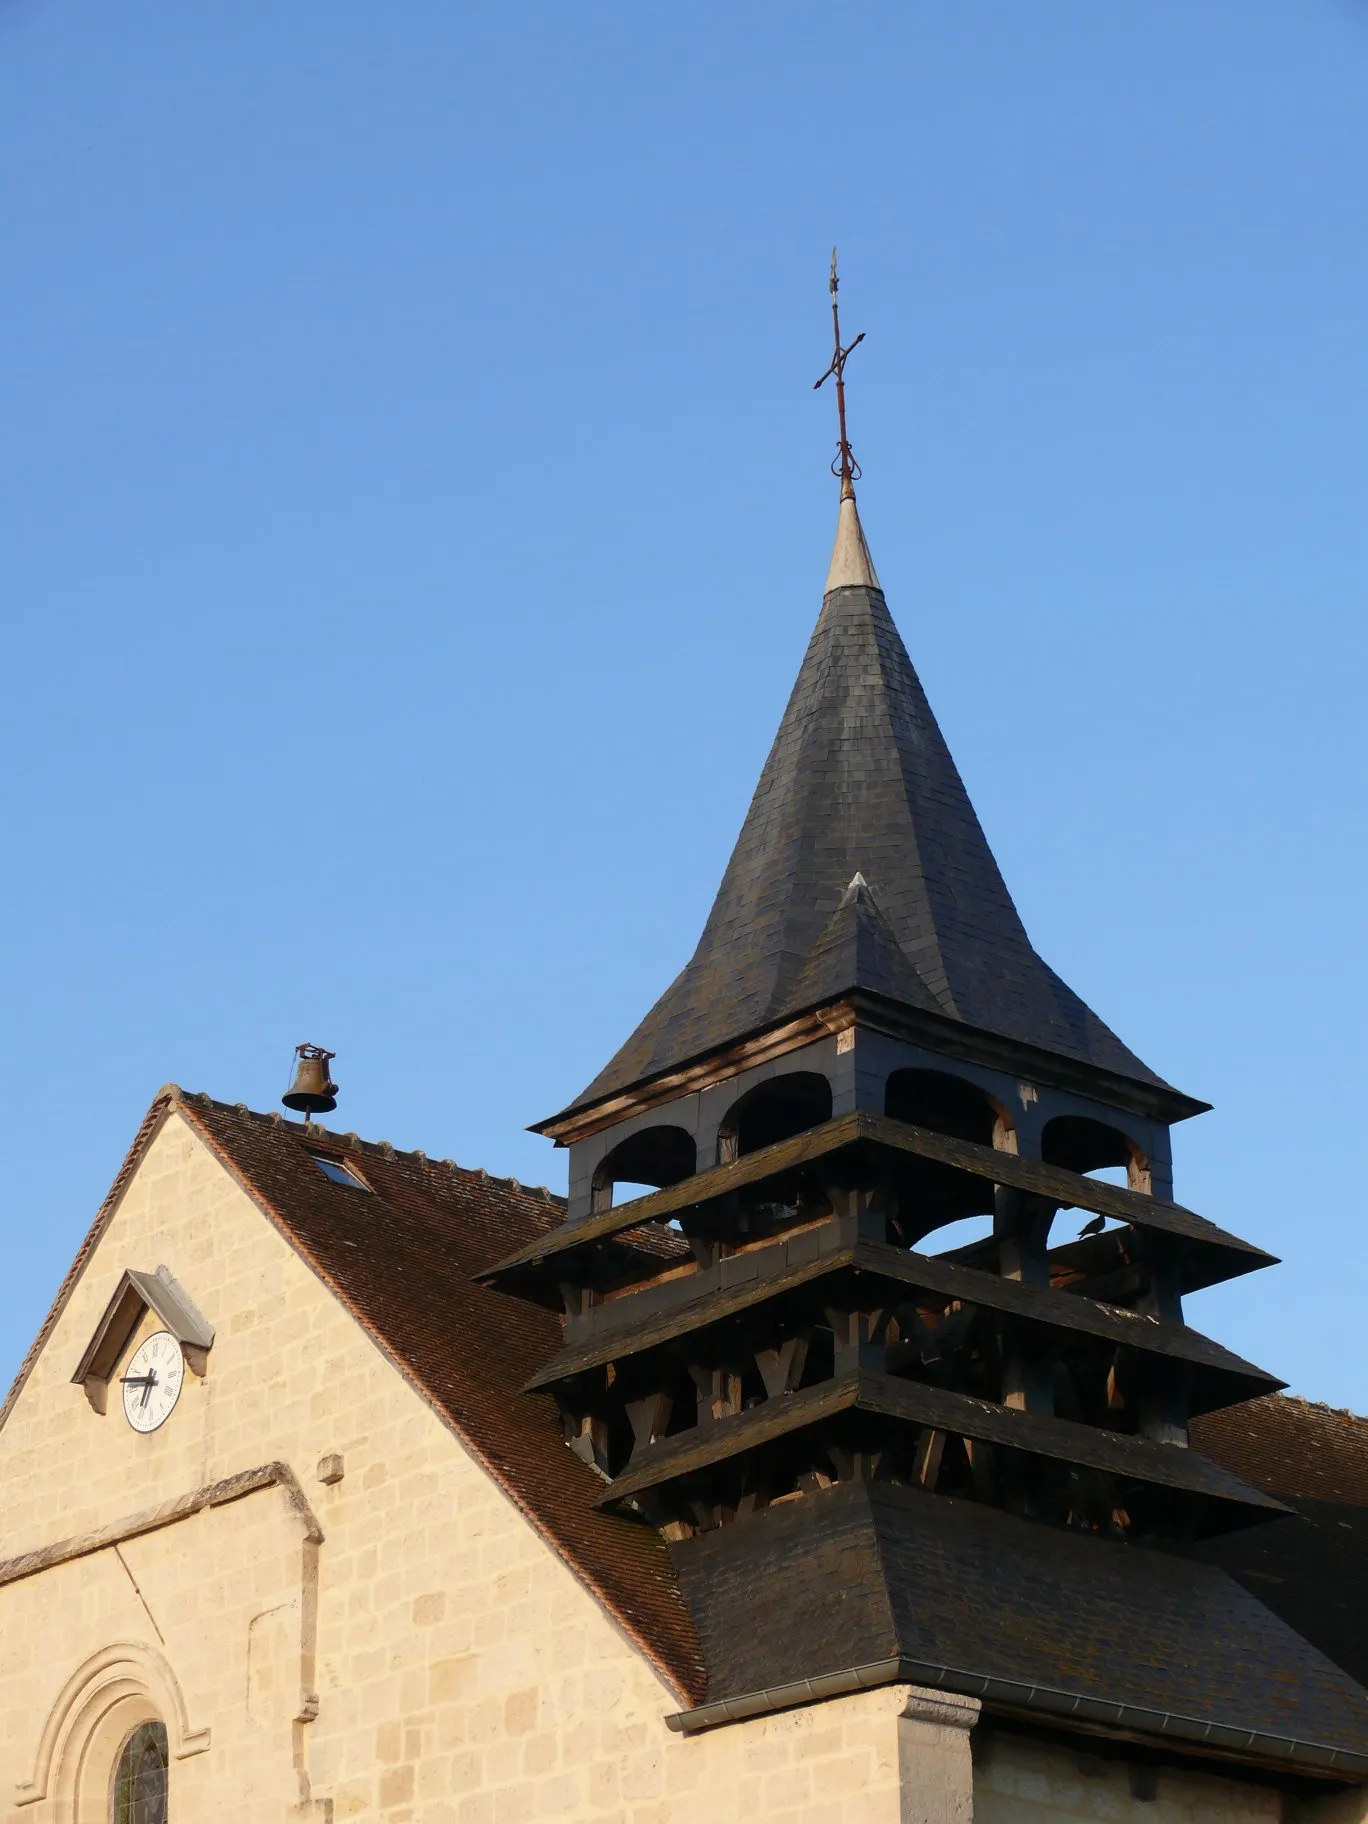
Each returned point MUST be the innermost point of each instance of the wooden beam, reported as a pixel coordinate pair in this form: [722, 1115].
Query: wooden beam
[926, 1461]
[719, 1392]
[916, 1404]
[1050, 1182]
[649, 1417]
[688, 1194]
[702, 1305]
[781, 1369]
[941, 1033]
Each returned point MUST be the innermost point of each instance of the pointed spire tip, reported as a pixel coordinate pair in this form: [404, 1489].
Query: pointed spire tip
[850, 561]
[851, 564]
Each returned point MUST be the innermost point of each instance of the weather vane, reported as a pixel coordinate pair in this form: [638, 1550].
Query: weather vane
[845, 464]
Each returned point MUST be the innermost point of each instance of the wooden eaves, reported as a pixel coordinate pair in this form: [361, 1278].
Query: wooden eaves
[706, 1301]
[1154, 1100]
[914, 1403]
[1051, 1182]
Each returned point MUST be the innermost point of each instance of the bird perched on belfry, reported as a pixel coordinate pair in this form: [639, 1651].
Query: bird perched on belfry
[1095, 1227]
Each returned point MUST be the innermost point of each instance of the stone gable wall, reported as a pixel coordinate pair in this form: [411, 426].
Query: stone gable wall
[430, 1662]
[400, 1645]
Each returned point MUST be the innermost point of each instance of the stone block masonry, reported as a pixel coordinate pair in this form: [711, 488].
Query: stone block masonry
[339, 1615]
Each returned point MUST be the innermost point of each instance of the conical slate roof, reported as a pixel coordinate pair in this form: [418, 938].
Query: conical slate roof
[860, 781]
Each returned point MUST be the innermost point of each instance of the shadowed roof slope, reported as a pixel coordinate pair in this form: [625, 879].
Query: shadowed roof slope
[859, 780]
[1312, 1569]
[985, 1603]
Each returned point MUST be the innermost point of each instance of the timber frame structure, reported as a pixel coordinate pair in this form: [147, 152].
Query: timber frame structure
[868, 1443]
[864, 1049]
[769, 1327]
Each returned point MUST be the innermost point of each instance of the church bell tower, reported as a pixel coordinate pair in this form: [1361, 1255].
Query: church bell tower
[863, 1049]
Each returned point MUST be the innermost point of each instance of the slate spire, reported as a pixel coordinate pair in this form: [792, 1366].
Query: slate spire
[859, 782]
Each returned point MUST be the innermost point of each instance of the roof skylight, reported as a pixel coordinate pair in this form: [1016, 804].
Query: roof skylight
[339, 1171]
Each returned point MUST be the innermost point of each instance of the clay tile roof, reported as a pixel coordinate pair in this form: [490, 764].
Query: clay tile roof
[403, 1261]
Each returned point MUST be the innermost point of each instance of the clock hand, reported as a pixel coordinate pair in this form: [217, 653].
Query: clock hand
[151, 1383]
[137, 1380]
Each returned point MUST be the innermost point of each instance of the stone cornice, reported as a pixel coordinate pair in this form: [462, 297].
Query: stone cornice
[167, 1513]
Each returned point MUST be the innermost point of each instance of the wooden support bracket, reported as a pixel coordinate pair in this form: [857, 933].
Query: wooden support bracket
[781, 1369]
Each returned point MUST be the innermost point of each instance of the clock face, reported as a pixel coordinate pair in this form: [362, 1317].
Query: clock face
[152, 1381]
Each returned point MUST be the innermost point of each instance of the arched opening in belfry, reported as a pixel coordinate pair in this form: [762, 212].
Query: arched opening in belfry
[642, 1163]
[947, 1105]
[941, 1208]
[773, 1111]
[1096, 1150]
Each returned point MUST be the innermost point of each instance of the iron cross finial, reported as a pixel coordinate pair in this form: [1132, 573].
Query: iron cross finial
[845, 464]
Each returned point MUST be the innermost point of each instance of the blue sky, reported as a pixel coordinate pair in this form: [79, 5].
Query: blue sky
[414, 505]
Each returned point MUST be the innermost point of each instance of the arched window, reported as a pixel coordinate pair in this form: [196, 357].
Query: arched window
[139, 1795]
[933, 1196]
[773, 1111]
[644, 1162]
[945, 1104]
[1083, 1145]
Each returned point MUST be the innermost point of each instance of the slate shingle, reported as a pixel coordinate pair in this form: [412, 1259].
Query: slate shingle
[864, 1573]
[860, 780]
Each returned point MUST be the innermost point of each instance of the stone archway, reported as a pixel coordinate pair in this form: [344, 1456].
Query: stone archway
[97, 1709]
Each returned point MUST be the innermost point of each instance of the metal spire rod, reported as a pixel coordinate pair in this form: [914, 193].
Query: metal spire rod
[845, 464]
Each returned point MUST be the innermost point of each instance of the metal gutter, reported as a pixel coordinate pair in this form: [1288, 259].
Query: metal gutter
[786, 1697]
[1274, 1750]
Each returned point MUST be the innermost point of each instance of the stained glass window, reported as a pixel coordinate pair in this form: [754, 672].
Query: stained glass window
[140, 1778]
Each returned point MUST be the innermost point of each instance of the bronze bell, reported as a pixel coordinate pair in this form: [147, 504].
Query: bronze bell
[313, 1091]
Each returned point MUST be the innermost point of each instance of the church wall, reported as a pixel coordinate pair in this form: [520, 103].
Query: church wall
[1344, 1808]
[432, 1661]
[168, 1624]
[1018, 1781]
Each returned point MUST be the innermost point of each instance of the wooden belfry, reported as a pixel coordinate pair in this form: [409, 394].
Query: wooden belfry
[864, 1048]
